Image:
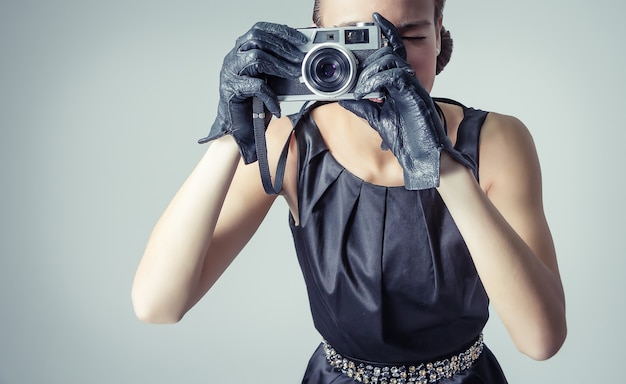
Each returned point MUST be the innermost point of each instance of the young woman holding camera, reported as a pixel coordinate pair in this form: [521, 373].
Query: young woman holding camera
[402, 237]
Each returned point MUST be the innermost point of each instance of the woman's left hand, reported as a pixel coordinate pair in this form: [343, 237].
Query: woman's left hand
[406, 119]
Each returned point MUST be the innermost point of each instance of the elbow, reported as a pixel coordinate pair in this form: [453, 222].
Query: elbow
[151, 312]
[154, 317]
[544, 351]
[542, 336]
[546, 344]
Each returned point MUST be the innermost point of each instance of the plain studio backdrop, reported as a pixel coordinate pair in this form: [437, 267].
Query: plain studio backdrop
[101, 104]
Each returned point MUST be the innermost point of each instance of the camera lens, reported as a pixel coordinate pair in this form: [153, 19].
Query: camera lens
[329, 70]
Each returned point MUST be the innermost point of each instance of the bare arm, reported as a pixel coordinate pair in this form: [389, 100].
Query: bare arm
[508, 237]
[207, 223]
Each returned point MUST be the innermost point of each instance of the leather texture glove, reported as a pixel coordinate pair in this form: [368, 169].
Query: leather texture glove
[407, 119]
[266, 49]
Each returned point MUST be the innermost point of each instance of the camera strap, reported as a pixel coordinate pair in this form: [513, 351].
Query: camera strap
[258, 114]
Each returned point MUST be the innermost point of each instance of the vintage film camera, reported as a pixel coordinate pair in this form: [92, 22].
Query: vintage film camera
[330, 67]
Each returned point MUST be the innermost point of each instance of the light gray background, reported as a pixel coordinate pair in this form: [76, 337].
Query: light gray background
[100, 107]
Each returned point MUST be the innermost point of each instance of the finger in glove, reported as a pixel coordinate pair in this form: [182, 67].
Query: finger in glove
[391, 33]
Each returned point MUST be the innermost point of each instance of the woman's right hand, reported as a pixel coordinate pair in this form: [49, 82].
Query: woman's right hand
[266, 49]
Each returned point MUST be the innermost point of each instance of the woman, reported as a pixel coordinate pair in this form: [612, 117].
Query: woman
[401, 249]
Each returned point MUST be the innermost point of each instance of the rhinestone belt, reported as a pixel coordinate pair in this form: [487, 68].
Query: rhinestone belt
[423, 373]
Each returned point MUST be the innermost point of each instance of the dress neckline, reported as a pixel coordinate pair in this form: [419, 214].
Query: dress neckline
[369, 184]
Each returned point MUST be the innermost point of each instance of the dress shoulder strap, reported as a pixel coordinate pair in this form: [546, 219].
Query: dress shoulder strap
[468, 134]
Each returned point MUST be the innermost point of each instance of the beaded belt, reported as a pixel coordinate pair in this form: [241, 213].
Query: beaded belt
[423, 373]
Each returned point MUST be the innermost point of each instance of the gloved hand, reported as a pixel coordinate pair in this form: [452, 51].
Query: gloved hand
[407, 119]
[266, 49]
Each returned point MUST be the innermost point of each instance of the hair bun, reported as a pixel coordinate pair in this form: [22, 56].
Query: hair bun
[446, 50]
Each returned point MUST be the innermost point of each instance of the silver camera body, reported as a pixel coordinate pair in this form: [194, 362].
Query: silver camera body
[330, 68]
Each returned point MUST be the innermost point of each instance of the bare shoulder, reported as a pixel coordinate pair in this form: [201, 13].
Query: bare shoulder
[508, 158]
[278, 129]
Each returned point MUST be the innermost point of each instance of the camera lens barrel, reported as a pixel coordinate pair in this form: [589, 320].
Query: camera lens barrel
[329, 70]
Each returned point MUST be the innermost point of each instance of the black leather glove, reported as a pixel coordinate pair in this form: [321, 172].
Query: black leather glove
[266, 49]
[407, 119]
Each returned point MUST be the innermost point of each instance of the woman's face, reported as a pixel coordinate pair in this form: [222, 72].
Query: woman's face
[414, 19]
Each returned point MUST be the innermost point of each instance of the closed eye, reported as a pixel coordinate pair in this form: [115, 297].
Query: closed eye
[413, 38]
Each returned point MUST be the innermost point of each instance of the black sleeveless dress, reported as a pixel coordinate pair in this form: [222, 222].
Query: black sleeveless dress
[389, 277]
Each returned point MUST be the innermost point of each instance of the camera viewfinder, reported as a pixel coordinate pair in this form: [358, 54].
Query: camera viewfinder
[357, 36]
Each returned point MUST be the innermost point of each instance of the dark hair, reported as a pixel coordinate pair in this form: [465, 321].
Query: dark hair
[446, 39]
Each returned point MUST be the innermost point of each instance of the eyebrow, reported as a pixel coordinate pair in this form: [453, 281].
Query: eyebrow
[414, 24]
[347, 24]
